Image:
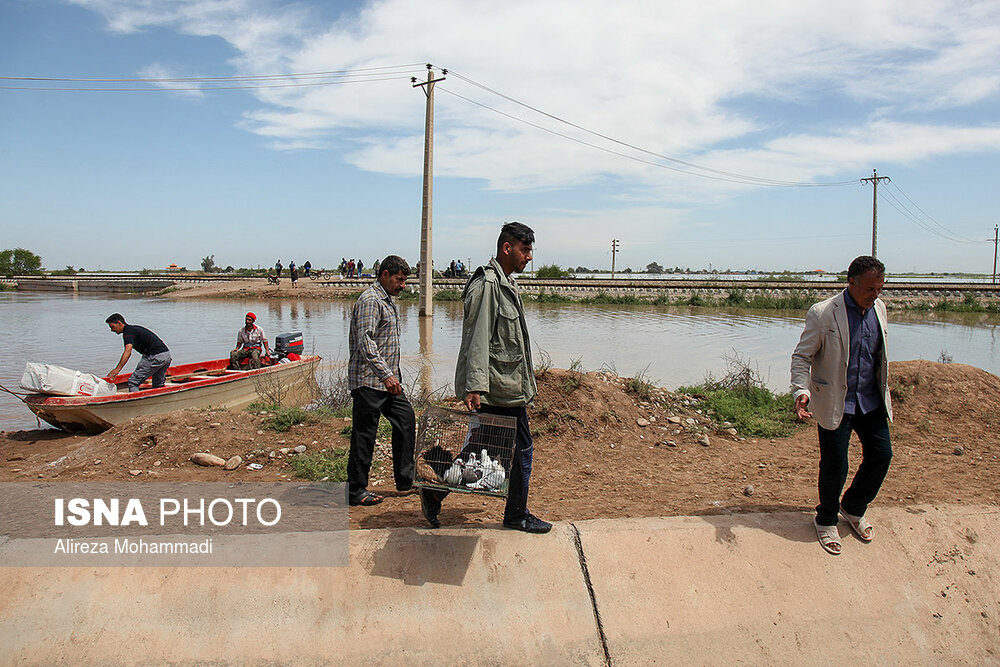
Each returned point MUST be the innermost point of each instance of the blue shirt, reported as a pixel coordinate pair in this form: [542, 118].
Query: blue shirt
[863, 362]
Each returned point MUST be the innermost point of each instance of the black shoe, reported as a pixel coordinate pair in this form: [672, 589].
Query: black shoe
[404, 487]
[432, 517]
[529, 524]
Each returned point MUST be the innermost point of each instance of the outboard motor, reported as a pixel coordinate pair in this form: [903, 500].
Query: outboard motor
[288, 346]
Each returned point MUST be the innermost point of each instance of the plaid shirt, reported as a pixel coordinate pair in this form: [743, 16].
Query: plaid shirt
[374, 340]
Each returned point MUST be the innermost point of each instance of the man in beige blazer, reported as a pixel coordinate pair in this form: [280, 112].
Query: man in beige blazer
[840, 376]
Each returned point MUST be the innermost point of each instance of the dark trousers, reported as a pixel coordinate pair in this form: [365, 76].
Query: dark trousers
[368, 405]
[520, 468]
[876, 453]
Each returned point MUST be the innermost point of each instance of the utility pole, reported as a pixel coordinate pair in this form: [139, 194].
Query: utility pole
[996, 238]
[614, 249]
[874, 181]
[426, 254]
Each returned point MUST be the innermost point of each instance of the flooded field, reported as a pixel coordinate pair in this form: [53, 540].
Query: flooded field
[674, 345]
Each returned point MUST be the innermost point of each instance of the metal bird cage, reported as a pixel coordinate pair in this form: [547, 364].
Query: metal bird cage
[467, 452]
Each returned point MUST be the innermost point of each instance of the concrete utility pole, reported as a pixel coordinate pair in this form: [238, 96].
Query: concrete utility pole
[874, 181]
[614, 249]
[426, 250]
[996, 238]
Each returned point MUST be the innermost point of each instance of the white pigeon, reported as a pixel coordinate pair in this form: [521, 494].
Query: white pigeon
[453, 475]
[493, 476]
[473, 471]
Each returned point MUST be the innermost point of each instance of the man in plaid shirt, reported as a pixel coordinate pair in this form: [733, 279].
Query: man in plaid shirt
[375, 382]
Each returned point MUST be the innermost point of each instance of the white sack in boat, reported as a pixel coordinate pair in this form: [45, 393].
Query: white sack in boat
[49, 379]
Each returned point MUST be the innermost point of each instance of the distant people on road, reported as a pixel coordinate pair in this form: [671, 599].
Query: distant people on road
[375, 266]
[361, 268]
[840, 370]
[293, 272]
[250, 340]
[350, 268]
[343, 267]
[376, 384]
[306, 268]
[155, 355]
[278, 267]
[494, 373]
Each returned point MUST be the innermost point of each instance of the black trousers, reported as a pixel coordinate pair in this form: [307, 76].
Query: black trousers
[876, 453]
[520, 469]
[368, 405]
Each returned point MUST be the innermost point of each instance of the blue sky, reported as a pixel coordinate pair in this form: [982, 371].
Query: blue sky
[802, 93]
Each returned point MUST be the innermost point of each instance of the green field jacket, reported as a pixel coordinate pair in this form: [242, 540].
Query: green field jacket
[495, 357]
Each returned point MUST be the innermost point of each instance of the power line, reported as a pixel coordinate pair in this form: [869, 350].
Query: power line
[932, 220]
[587, 143]
[893, 201]
[749, 180]
[241, 82]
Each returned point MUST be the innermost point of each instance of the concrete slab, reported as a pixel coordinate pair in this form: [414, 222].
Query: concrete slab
[758, 589]
[704, 590]
[484, 597]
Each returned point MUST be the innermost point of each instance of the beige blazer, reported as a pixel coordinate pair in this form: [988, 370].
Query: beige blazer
[819, 363]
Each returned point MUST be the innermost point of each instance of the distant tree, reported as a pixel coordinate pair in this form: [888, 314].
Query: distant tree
[68, 271]
[551, 271]
[627, 270]
[208, 264]
[653, 267]
[19, 262]
[581, 269]
[228, 269]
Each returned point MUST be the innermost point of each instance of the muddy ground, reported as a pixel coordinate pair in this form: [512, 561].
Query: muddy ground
[593, 458]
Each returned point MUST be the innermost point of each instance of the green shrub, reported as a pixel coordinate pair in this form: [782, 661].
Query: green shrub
[754, 412]
[329, 465]
[280, 418]
[551, 271]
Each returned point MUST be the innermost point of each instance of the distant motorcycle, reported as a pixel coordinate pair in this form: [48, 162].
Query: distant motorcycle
[273, 279]
[316, 274]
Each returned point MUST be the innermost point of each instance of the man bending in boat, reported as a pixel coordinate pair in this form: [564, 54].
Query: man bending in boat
[249, 341]
[155, 355]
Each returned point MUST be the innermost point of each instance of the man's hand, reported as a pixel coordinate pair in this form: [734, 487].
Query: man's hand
[800, 407]
[472, 401]
[112, 374]
[393, 385]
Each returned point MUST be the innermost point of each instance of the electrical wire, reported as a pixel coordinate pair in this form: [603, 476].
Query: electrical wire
[929, 218]
[592, 145]
[241, 82]
[893, 201]
[730, 176]
[172, 89]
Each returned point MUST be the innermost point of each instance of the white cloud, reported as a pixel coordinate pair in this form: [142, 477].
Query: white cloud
[680, 79]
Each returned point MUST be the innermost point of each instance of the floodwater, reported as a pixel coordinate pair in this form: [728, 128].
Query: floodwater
[674, 345]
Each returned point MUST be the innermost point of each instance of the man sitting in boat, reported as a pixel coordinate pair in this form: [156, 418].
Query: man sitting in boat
[155, 355]
[249, 341]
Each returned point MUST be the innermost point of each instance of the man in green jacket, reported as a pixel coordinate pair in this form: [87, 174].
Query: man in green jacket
[494, 372]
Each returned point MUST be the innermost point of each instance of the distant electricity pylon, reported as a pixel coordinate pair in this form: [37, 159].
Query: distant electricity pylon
[614, 249]
[875, 178]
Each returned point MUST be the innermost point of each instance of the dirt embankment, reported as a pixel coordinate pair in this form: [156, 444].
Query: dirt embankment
[259, 289]
[600, 452]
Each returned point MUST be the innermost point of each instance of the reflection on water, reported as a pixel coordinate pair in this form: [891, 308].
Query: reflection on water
[677, 345]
